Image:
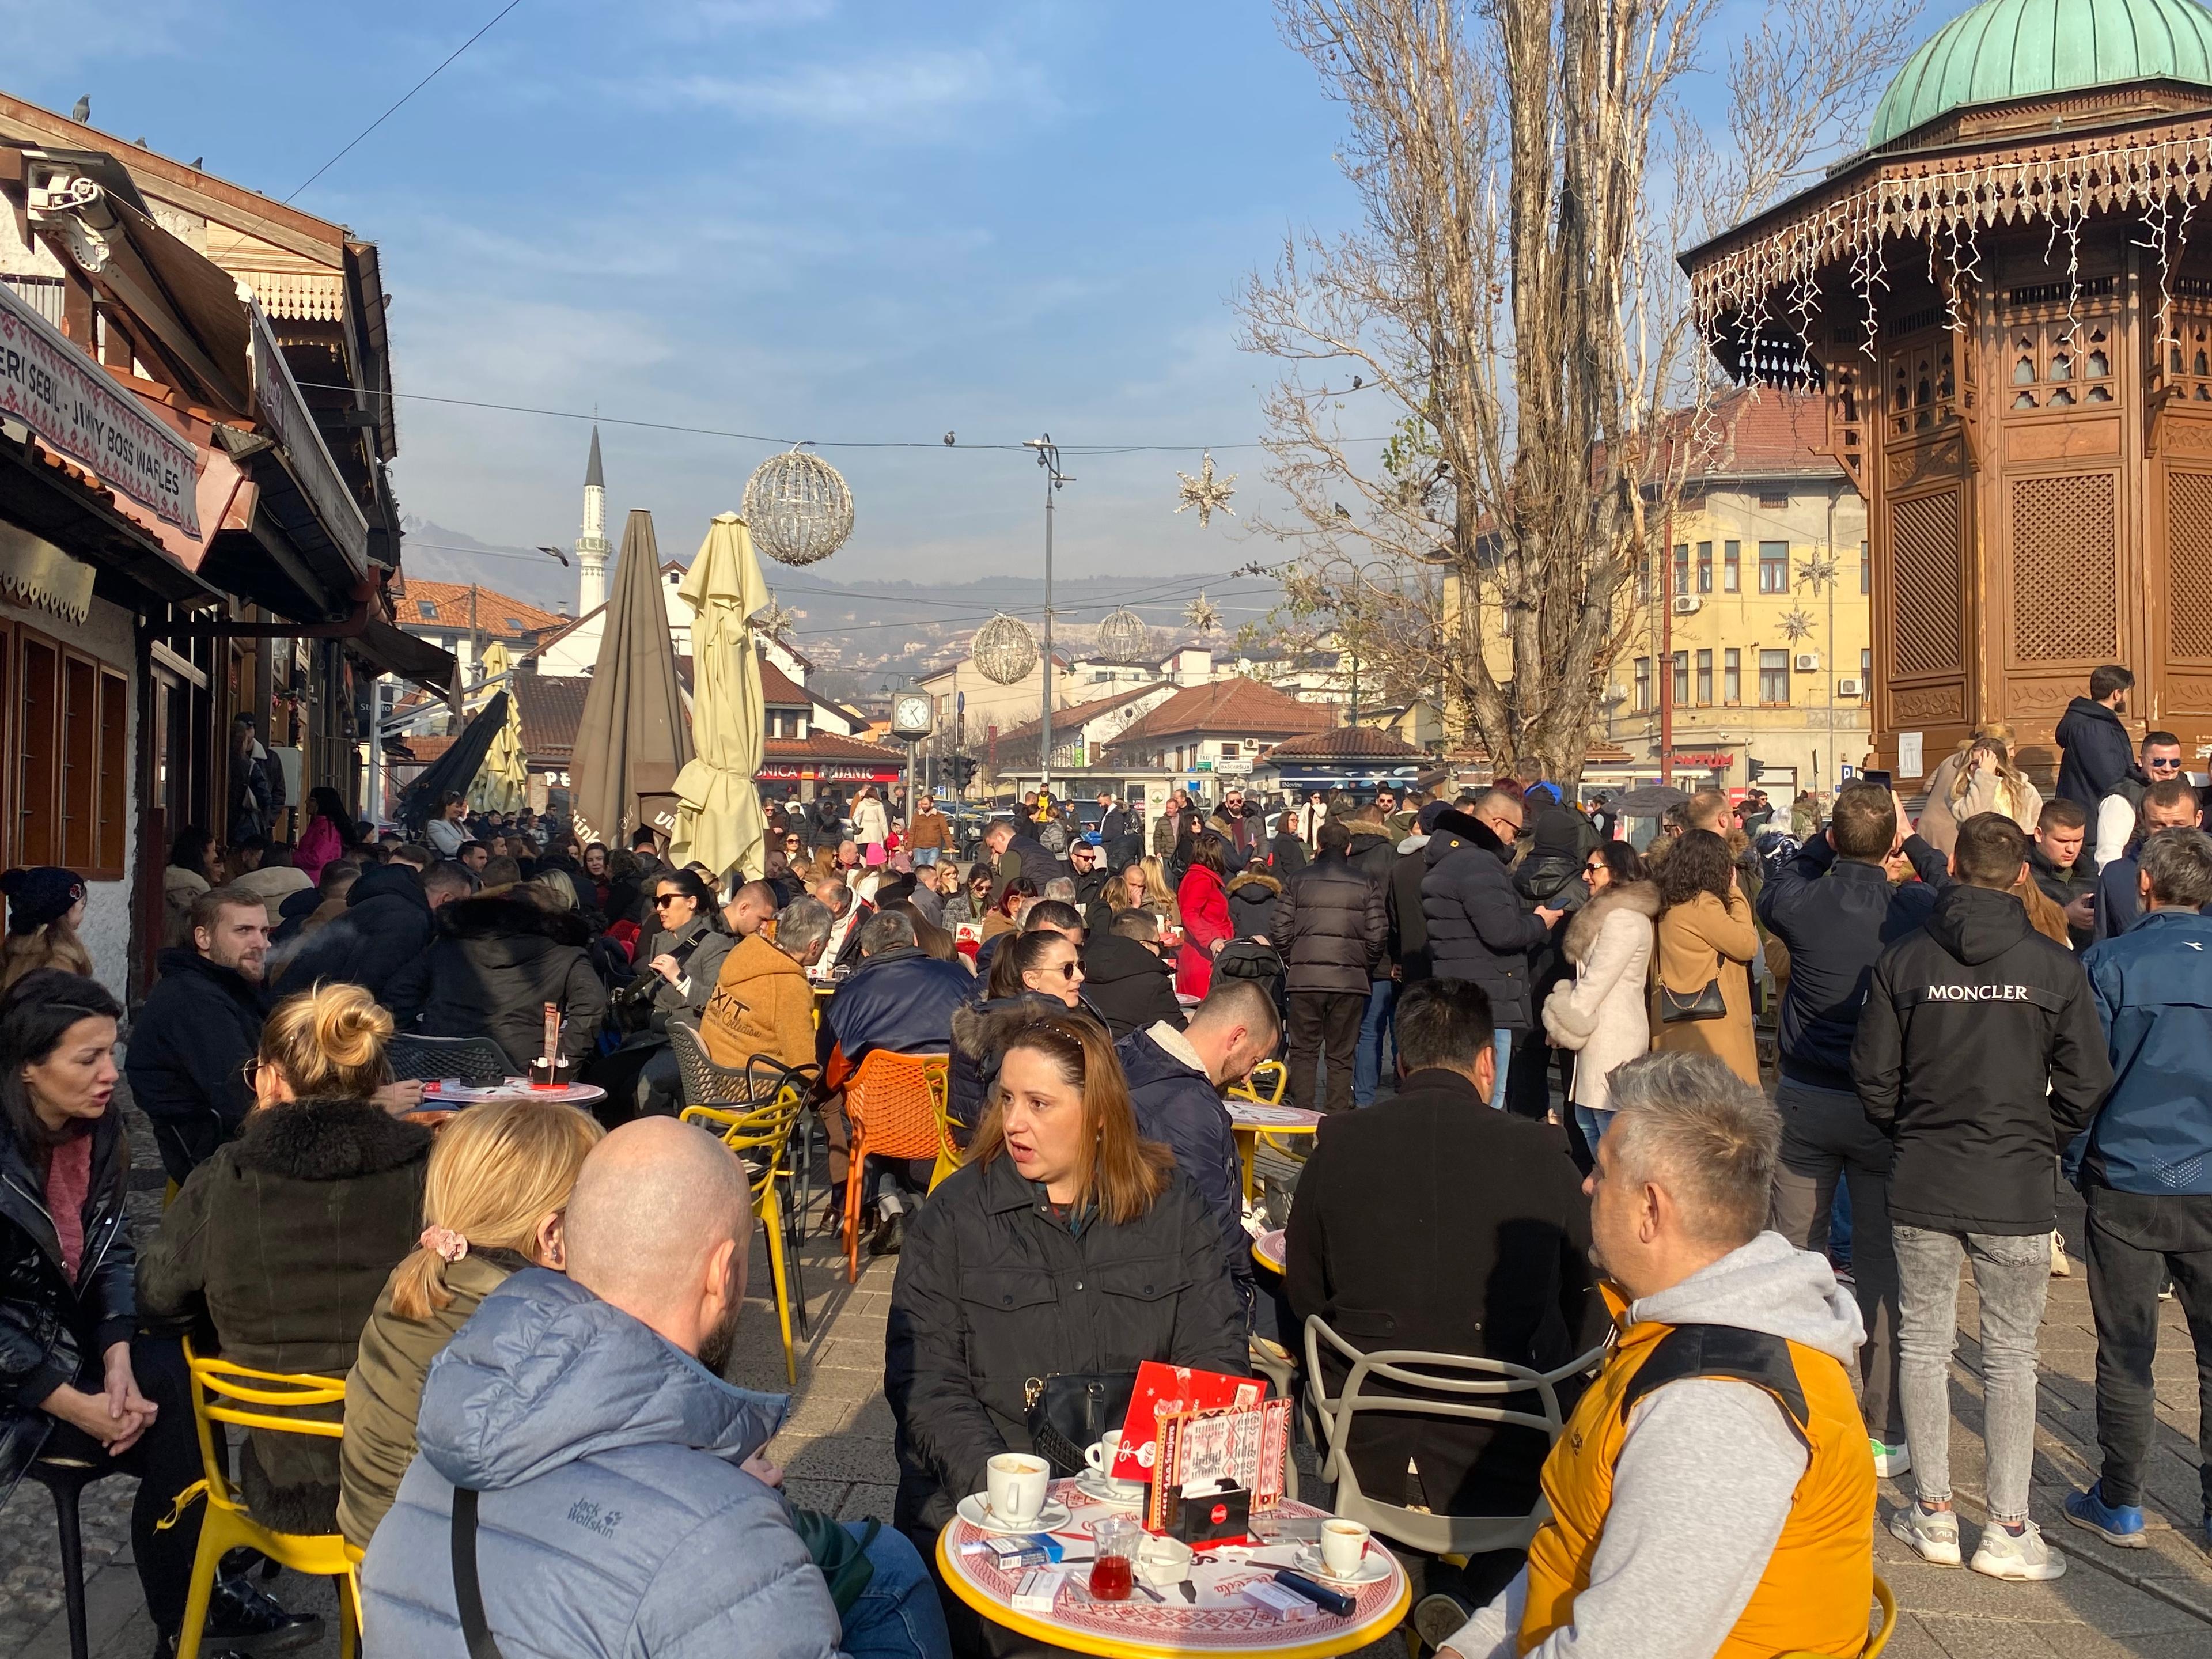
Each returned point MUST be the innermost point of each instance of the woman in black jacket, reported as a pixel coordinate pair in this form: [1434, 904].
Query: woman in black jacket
[75, 1382]
[682, 961]
[498, 960]
[1066, 1244]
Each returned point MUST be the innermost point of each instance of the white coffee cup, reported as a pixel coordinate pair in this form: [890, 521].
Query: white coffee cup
[1100, 1456]
[1014, 1484]
[1343, 1546]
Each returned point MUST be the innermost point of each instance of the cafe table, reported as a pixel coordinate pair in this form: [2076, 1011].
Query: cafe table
[1267, 1250]
[1209, 1617]
[437, 1097]
[1252, 1122]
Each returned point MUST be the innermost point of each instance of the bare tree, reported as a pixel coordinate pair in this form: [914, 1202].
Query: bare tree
[1510, 311]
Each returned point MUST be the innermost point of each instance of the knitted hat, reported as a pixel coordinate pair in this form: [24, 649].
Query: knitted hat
[1430, 812]
[42, 894]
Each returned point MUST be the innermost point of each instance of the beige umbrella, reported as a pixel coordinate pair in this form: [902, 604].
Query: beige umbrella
[633, 738]
[718, 822]
[503, 782]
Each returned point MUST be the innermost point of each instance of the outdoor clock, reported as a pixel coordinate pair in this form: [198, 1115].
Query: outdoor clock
[913, 714]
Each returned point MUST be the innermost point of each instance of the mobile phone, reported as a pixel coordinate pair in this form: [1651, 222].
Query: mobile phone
[1880, 779]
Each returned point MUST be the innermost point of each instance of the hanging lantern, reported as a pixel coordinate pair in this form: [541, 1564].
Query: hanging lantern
[1123, 637]
[1004, 649]
[798, 508]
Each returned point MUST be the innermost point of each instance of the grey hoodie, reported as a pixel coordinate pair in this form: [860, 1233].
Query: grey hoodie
[1705, 1477]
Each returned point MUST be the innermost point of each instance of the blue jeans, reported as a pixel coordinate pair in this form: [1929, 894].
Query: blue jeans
[897, 1616]
[1593, 1121]
[925, 855]
[1374, 1037]
[1501, 1046]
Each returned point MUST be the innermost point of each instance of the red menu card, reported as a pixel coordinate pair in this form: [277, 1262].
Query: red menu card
[1164, 1391]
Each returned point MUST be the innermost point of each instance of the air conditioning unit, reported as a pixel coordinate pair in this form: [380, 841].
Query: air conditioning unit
[1808, 662]
[1686, 604]
[1850, 688]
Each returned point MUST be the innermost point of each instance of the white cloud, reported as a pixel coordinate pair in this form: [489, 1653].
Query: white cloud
[898, 92]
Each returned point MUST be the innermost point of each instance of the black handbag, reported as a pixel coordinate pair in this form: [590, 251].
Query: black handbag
[1069, 1411]
[1674, 1008]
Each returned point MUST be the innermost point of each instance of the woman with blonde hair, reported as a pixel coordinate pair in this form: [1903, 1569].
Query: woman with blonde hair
[1060, 1193]
[45, 905]
[283, 1240]
[1979, 777]
[497, 1190]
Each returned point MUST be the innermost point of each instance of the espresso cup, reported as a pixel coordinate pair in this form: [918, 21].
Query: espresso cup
[1100, 1456]
[1014, 1487]
[1343, 1546]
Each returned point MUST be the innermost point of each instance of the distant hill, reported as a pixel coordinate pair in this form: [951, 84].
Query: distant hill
[882, 630]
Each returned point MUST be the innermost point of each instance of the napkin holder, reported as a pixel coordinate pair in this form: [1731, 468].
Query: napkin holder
[1207, 1520]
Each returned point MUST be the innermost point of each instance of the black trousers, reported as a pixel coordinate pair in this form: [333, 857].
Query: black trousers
[1323, 1024]
[2135, 1241]
[165, 1460]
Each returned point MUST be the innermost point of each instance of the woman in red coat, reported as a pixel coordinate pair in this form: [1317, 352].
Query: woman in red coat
[1204, 903]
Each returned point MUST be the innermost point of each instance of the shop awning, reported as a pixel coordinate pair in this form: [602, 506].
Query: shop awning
[387, 650]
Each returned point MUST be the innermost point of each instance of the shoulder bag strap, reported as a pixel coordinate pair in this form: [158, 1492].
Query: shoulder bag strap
[468, 1592]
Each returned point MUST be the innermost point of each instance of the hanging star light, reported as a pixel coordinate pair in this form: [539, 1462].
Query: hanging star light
[772, 621]
[1798, 625]
[1200, 614]
[1208, 494]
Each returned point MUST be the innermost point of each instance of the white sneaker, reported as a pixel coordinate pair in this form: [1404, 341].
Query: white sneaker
[1933, 1533]
[2060, 1268]
[2026, 1558]
[1890, 1460]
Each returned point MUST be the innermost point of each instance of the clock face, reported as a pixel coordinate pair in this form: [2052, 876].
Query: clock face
[912, 714]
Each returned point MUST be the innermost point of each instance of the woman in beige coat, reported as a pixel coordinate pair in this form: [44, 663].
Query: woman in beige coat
[1705, 933]
[1979, 778]
[1602, 1014]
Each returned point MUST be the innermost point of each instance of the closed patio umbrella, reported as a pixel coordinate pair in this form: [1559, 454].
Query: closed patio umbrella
[633, 738]
[451, 772]
[503, 782]
[718, 822]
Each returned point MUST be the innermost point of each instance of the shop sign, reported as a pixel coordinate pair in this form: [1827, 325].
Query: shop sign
[1719, 761]
[70, 402]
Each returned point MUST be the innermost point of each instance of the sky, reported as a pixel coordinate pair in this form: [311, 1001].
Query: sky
[822, 219]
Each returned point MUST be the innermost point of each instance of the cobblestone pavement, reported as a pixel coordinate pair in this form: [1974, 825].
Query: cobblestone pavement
[837, 1452]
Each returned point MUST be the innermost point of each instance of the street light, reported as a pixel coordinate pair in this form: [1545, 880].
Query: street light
[1047, 454]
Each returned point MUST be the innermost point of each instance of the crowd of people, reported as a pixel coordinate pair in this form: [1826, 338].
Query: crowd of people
[1548, 1139]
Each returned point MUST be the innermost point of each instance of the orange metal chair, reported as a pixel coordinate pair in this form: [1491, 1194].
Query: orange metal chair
[896, 1106]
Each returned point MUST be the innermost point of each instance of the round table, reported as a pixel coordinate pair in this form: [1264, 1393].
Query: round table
[569, 1094]
[1267, 1250]
[1220, 1622]
[1251, 1123]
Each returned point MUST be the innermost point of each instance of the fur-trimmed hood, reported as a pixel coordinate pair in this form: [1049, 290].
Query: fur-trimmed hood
[502, 915]
[328, 1140]
[1640, 896]
[1255, 878]
[980, 1031]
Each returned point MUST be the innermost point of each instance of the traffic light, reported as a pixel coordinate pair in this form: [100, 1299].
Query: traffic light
[1753, 771]
[960, 768]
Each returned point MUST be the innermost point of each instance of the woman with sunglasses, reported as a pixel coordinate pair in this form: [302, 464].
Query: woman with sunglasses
[683, 960]
[1032, 973]
[1602, 1014]
[973, 902]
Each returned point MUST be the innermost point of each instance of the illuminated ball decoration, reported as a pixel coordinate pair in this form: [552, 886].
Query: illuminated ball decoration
[1004, 649]
[798, 508]
[1123, 637]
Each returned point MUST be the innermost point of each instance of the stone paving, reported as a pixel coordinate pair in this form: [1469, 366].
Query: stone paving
[835, 1449]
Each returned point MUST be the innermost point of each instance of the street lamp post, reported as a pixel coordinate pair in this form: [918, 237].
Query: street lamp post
[1047, 454]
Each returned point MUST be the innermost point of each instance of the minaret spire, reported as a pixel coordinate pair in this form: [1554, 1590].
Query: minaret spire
[593, 548]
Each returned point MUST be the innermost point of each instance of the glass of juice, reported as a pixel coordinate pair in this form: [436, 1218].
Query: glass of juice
[1113, 1569]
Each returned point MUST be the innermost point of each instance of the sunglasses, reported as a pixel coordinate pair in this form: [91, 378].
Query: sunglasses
[2174, 765]
[660, 901]
[1069, 969]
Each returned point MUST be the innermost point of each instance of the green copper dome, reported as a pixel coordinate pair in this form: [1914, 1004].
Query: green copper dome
[2006, 49]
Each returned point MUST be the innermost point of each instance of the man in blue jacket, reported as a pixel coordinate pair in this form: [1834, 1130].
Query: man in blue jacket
[2098, 751]
[579, 1451]
[1176, 1078]
[2145, 1166]
[2169, 804]
[1835, 907]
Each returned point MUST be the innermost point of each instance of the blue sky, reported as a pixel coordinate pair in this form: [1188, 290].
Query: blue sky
[824, 218]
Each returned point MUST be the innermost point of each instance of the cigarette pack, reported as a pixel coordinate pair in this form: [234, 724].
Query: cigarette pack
[1039, 1589]
[1013, 1551]
[1279, 1604]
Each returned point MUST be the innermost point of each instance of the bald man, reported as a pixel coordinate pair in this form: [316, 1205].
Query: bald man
[611, 1494]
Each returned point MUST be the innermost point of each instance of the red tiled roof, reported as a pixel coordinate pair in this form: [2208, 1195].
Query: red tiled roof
[1766, 434]
[1231, 707]
[780, 690]
[1346, 743]
[425, 603]
[824, 745]
[1076, 713]
[552, 706]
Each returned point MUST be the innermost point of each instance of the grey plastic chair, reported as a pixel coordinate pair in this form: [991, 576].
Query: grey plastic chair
[1464, 1397]
[426, 1058]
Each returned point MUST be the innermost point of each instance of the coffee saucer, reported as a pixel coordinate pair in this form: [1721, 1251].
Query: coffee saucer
[1098, 1490]
[1372, 1569]
[975, 1510]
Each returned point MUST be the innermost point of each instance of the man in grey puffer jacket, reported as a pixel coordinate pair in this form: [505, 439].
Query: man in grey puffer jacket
[624, 1508]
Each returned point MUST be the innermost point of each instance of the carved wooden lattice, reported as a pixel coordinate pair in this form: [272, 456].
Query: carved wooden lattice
[2064, 606]
[2188, 565]
[1923, 543]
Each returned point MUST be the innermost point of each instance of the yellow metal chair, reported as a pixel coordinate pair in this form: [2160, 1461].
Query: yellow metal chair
[1264, 1087]
[1887, 1604]
[760, 1136]
[224, 1393]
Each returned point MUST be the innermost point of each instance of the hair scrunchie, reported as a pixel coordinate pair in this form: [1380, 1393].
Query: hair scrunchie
[445, 1242]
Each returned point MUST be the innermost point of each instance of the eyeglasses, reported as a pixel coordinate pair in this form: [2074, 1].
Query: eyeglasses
[660, 901]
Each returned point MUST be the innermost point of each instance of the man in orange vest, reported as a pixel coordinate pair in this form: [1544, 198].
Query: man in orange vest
[1712, 1494]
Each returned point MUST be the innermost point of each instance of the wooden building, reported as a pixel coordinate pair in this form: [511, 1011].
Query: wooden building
[2005, 300]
